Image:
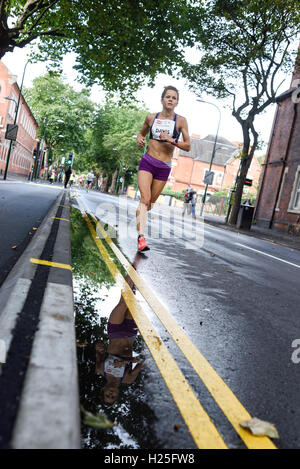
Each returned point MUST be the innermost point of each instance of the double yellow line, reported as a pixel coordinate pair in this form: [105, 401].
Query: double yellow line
[201, 428]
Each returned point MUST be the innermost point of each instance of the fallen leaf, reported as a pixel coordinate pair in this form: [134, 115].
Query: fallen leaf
[229, 270]
[212, 254]
[34, 228]
[176, 427]
[14, 247]
[59, 316]
[96, 421]
[260, 427]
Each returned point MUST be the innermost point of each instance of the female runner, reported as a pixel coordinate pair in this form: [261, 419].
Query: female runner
[165, 128]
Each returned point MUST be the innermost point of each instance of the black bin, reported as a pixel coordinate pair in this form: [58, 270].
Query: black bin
[245, 216]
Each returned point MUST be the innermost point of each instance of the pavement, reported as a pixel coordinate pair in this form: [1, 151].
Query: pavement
[39, 397]
[272, 235]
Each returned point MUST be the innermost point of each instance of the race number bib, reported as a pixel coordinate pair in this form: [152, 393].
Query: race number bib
[160, 125]
[111, 369]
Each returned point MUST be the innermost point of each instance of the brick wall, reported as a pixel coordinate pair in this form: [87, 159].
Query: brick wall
[22, 150]
[280, 167]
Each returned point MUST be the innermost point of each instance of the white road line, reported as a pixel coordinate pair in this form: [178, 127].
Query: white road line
[269, 255]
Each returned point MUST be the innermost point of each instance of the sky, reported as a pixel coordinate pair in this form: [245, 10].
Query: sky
[202, 118]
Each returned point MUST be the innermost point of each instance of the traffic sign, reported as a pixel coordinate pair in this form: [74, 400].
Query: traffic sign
[209, 177]
[11, 132]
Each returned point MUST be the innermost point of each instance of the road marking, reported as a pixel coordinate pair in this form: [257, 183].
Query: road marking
[57, 218]
[269, 255]
[202, 429]
[224, 397]
[51, 264]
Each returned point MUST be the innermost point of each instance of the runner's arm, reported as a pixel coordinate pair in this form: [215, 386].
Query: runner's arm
[141, 141]
[183, 126]
[100, 358]
[130, 375]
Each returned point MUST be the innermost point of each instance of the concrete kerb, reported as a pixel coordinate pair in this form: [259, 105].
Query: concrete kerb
[16, 285]
[48, 416]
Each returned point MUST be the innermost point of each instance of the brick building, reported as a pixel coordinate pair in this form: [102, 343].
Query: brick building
[278, 201]
[22, 150]
[190, 167]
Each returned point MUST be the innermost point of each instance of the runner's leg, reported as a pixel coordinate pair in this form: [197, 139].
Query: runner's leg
[144, 181]
[156, 189]
[117, 315]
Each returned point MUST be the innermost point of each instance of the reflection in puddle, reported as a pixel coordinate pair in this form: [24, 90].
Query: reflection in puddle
[111, 354]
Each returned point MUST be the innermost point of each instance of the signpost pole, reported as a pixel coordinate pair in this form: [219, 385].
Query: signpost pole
[213, 152]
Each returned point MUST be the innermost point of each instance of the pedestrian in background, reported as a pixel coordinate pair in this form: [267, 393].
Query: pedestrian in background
[193, 202]
[68, 173]
[72, 179]
[187, 207]
[89, 180]
[52, 176]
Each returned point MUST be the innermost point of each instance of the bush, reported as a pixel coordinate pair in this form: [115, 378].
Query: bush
[177, 195]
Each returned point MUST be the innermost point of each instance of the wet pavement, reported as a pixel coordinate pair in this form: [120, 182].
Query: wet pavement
[140, 421]
[22, 208]
[237, 299]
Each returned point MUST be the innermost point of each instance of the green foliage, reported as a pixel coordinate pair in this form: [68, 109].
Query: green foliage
[111, 142]
[177, 195]
[118, 44]
[243, 44]
[87, 262]
[64, 115]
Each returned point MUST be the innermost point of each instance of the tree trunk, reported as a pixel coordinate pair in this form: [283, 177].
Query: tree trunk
[245, 163]
[123, 182]
[112, 188]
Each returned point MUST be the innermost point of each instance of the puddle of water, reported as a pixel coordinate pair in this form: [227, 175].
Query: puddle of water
[97, 299]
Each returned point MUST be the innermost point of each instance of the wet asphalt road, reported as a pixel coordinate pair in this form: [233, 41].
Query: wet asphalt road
[239, 306]
[22, 208]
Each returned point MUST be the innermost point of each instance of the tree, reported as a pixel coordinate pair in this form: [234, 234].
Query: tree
[118, 44]
[244, 44]
[111, 140]
[63, 114]
[121, 140]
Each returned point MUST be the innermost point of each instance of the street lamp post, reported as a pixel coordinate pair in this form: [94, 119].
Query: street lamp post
[213, 152]
[15, 121]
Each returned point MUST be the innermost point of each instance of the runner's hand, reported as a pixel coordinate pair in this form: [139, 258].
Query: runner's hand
[141, 141]
[165, 137]
[119, 363]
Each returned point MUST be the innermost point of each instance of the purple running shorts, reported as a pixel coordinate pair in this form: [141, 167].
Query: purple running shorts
[159, 169]
[126, 330]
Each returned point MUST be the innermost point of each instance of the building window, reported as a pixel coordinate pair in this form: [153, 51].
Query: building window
[281, 188]
[294, 205]
[218, 178]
